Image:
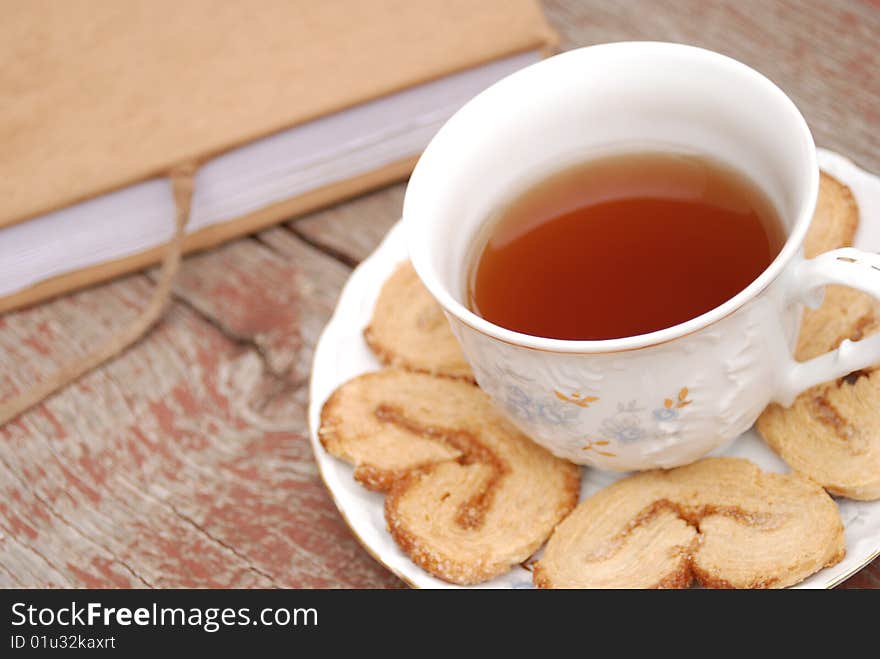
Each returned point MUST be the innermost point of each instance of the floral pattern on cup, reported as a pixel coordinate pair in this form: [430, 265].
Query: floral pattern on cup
[625, 425]
[628, 425]
[598, 446]
[529, 409]
[576, 398]
[670, 409]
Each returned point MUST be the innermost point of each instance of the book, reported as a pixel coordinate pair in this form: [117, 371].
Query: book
[285, 106]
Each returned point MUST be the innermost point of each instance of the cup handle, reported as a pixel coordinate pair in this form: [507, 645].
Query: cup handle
[848, 267]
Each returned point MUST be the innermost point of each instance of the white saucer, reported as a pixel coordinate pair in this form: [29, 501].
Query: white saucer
[342, 354]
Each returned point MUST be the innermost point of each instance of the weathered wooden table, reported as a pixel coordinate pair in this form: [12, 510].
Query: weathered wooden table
[185, 462]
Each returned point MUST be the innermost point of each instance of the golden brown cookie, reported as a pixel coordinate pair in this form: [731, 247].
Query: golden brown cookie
[720, 521]
[468, 494]
[845, 313]
[832, 431]
[835, 220]
[408, 329]
[832, 434]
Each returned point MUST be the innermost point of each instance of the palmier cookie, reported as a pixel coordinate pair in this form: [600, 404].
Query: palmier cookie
[831, 433]
[845, 313]
[721, 521]
[408, 329]
[468, 495]
[835, 220]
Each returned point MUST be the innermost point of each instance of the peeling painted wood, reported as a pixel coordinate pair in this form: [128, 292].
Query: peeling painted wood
[351, 231]
[278, 303]
[162, 468]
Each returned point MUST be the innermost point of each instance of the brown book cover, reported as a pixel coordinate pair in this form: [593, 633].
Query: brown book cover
[99, 94]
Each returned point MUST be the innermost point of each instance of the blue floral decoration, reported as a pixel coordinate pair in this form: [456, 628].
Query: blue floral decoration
[665, 414]
[629, 434]
[521, 405]
[623, 427]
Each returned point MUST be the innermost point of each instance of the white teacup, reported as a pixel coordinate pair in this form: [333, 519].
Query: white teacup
[668, 397]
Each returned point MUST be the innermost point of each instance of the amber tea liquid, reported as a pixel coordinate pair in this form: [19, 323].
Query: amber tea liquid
[623, 245]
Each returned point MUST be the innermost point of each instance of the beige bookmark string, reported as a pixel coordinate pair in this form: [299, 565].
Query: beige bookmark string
[182, 187]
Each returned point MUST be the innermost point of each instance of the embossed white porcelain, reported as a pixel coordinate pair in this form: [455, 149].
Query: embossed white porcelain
[669, 397]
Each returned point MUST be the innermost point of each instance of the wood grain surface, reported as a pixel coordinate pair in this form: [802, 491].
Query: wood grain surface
[185, 462]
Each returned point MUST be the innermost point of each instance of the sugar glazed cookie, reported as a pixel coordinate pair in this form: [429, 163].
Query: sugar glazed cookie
[832, 431]
[832, 434]
[468, 495]
[408, 329]
[720, 521]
